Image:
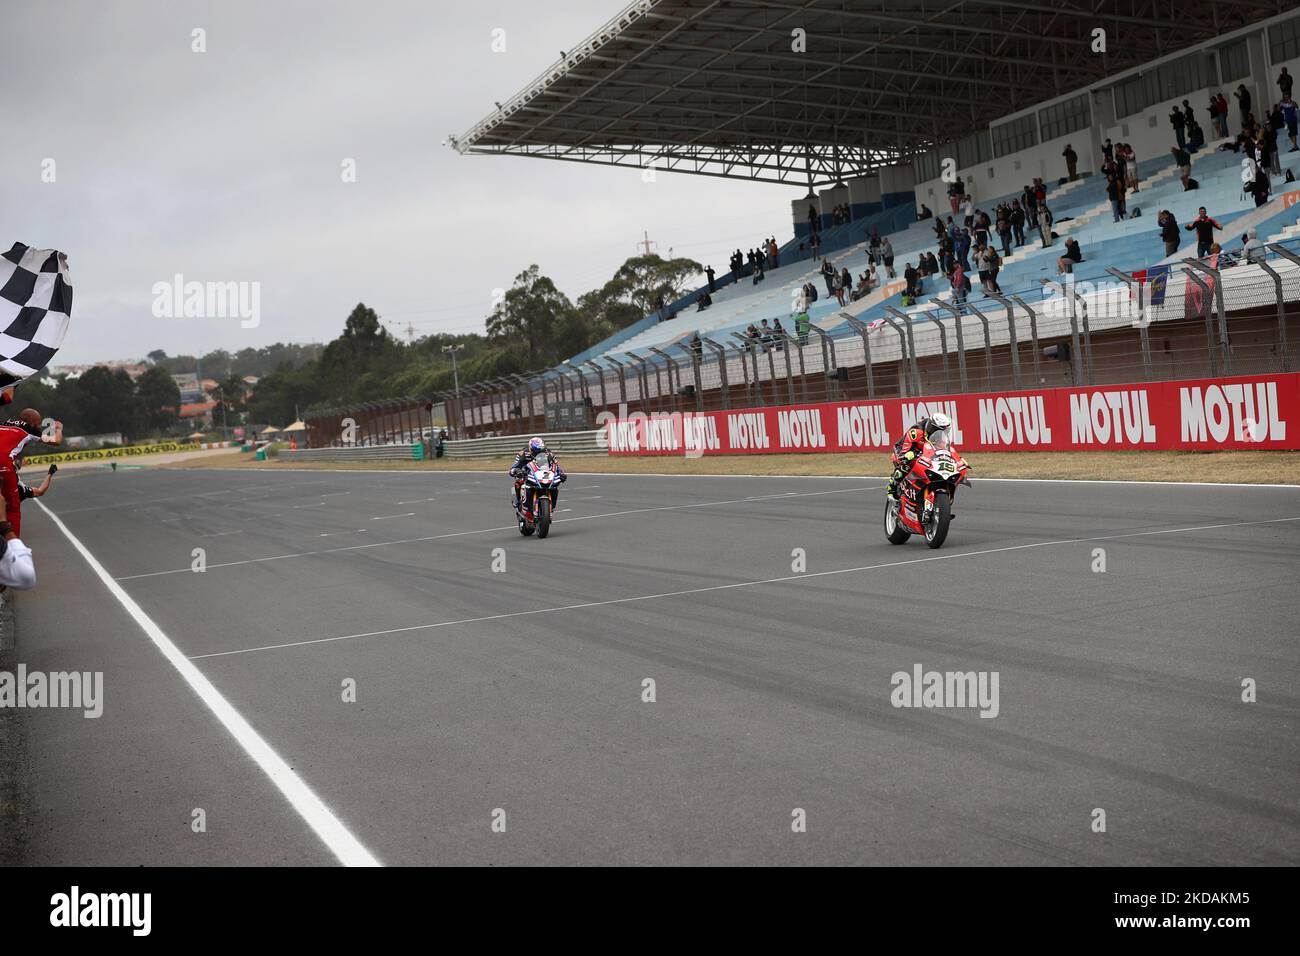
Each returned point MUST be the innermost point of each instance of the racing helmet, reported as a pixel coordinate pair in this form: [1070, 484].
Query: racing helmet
[536, 445]
[937, 422]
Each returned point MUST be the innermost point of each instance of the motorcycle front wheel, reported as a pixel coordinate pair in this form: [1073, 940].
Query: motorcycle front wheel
[936, 529]
[543, 516]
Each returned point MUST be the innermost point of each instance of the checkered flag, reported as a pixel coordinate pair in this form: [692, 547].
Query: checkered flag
[35, 306]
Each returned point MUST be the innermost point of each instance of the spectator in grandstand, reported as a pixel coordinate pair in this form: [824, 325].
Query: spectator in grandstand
[812, 219]
[932, 264]
[887, 257]
[960, 286]
[1168, 231]
[873, 246]
[1030, 203]
[1242, 96]
[765, 335]
[1223, 113]
[1130, 166]
[1203, 225]
[984, 267]
[940, 228]
[1112, 193]
[827, 270]
[1289, 116]
[1179, 122]
[983, 228]
[1071, 162]
[708, 271]
[1107, 152]
[968, 211]
[751, 333]
[1065, 264]
[696, 345]
[1045, 224]
[1272, 134]
[911, 277]
[924, 214]
[1184, 161]
[703, 302]
[1284, 83]
[1252, 249]
[814, 244]
[956, 190]
[802, 325]
[1017, 220]
[773, 252]
[1213, 110]
[838, 288]
[1195, 135]
[961, 248]
[778, 335]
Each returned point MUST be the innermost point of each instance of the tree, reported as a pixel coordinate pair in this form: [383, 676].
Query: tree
[158, 400]
[106, 402]
[528, 316]
[157, 356]
[651, 279]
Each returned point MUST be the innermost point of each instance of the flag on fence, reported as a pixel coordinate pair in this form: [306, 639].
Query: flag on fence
[35, 307]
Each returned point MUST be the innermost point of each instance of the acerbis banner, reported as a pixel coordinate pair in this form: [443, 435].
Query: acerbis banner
[1240, 412]
[126, 451]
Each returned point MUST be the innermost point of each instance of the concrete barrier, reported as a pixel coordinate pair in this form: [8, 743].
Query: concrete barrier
[404, 452]
[562, 443]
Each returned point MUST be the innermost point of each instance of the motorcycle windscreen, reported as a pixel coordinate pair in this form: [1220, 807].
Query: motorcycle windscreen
[941, 439]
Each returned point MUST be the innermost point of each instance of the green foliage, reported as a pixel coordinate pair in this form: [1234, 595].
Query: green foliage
[534, 326]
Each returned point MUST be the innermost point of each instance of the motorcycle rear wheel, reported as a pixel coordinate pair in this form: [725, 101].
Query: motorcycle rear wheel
[936, 531]
[894, 530]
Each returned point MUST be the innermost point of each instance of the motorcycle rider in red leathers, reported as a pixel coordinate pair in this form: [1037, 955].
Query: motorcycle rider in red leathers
[535, 447]
[910, 445]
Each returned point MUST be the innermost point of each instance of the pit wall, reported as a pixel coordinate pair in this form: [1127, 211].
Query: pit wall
[1258, 412]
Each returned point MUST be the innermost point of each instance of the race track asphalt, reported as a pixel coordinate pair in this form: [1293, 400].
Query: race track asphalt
[517, 694]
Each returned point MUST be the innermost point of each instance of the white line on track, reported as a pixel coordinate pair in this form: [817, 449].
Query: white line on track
[461, 534]
[330, 534]
[740, 584]
[220, 534]
[409, 514]
[415, 501]
[332, 831]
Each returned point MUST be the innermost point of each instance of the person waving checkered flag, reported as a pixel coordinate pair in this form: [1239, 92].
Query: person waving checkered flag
[35, 307]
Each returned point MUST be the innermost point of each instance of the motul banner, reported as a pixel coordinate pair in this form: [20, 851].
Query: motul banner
[1202, 415]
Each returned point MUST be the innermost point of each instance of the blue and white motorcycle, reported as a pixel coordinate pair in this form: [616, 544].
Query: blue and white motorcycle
[536, 494]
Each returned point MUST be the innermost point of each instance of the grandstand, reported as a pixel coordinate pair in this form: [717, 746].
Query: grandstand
[715, 90]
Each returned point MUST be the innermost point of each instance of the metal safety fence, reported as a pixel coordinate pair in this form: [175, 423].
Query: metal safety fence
[1223, 315]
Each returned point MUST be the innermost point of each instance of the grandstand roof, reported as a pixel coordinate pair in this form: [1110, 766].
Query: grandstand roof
[716, 87]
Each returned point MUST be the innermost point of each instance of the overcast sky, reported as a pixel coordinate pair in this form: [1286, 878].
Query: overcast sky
[226, 166]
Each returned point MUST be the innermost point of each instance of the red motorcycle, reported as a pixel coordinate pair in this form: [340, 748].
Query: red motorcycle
[926, 493]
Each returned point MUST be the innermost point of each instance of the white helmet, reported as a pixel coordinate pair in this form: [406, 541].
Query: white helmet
[937, 422]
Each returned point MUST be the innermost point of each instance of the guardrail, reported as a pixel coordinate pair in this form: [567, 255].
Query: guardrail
[562, 443]
[404, 452]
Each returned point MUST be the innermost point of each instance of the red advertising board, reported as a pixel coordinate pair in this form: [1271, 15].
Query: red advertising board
[1254, 411]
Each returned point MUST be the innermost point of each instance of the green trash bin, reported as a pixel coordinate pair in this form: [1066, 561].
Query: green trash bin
[261, 455]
